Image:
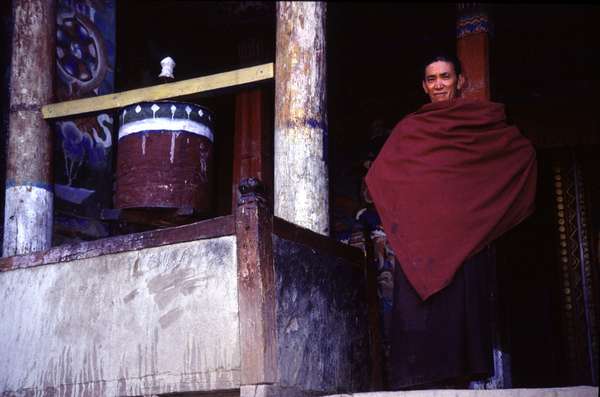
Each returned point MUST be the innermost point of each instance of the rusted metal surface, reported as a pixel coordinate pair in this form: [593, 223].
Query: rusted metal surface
[164, 156]
[300, 163]
[29, 143]
[212, 228]
[256, 286]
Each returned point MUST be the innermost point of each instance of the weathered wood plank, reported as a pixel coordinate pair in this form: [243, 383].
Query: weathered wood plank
[211, 228]
[256, 286]
[162, 91]
[318, 242]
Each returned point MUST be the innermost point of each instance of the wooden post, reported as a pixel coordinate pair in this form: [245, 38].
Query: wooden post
[252, 143]
[29, 194]
[301, 171]
[472, 47]
[472, 34]
[256, 287]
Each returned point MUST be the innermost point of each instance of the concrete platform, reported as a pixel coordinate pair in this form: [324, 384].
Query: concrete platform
[578, 391]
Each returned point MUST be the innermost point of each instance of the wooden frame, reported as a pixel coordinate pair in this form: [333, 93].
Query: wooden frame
[211, 228]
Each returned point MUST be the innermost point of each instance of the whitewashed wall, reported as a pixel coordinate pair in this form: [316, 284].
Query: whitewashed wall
[143, 322]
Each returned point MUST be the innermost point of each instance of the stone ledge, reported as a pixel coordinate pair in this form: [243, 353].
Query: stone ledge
[578, 391]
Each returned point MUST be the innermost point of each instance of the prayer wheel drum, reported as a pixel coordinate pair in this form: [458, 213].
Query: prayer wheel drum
[164, 157]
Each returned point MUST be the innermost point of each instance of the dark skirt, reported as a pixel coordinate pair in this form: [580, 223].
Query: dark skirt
[448, 337]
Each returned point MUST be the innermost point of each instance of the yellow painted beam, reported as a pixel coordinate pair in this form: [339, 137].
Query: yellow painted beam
[161, 91]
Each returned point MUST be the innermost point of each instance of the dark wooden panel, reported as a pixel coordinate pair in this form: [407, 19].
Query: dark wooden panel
[318, 242]
[322, 320]
[211, 228]
[577, 284]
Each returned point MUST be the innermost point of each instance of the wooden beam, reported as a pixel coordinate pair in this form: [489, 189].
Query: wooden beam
[157, 92]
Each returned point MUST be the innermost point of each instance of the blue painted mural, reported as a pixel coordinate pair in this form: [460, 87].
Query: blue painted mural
[83, 152]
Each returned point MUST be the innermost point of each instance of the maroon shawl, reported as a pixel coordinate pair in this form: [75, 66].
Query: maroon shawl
[450, 179]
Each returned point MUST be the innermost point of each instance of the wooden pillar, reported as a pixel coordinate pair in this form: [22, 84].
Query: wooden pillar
[252, 144]
[472, 47]
[472, 35]
[29, 193]
[301, 171]
[256, 288]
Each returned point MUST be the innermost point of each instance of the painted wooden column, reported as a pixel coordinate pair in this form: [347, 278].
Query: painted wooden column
[29, 194]
[472, 47]
[253, 143]
[301, 170]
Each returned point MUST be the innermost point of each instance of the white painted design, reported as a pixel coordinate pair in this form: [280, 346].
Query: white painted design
[172, 152]
[27, 220]
[76, 50]
[123, 116]
[200, 113]
[165, 124]
[104, 119]
[155, 109]
[138, 109]
[75, 152]
[173, 109]
[188, 110]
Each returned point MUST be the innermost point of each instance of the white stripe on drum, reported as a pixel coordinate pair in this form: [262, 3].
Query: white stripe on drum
[164, 124]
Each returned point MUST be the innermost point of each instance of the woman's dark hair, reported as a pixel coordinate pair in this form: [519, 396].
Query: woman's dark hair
[444, 57]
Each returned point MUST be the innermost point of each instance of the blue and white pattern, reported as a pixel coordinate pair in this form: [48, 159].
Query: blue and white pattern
[471, 24]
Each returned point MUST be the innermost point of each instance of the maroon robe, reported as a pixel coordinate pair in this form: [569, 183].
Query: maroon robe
[451, 178]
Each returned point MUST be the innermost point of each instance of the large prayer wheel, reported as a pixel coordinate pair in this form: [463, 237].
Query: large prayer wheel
[164, 156]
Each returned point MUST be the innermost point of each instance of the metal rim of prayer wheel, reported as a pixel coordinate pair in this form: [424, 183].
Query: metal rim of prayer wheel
[164, 156]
